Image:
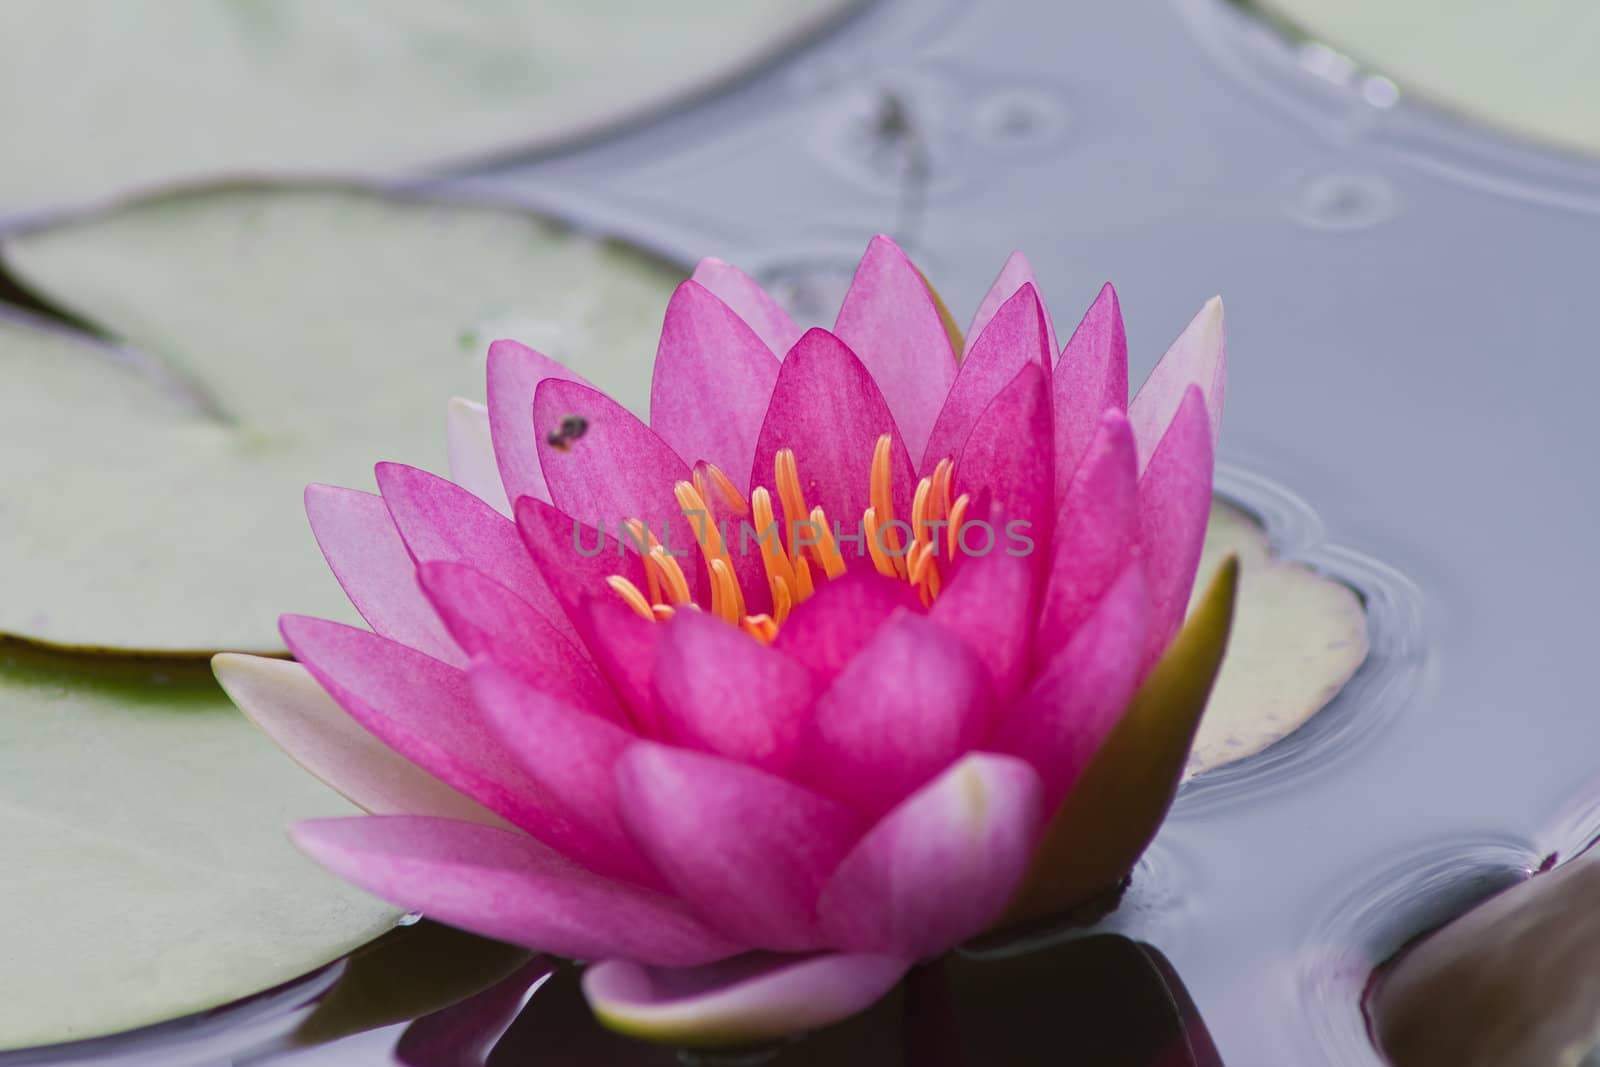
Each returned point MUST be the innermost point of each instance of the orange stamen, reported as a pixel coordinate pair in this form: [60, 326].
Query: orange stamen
[826, 550]
[882, 495]
[958, 515]
[726, 493]
[790, 492]
[631, 595]
[880, 558]
[674, 583]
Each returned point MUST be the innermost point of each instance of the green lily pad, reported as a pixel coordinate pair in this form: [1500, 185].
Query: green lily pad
[1527, 68]
[268, 337]
[1514, 981]
[114, 98]
[1298, 637]
[147, 873]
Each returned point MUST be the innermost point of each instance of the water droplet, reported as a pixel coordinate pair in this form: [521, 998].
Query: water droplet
[1344, 202]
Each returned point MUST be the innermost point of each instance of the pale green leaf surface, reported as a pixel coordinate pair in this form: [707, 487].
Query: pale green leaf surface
[146, 871]
[1526, 67]
[1297, 639]
[289, 335]
[112, 98]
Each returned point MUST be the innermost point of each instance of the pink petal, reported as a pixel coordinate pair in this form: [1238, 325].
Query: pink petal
[619, 469]
[471, 449]
[506, 885]
[1013, 276]
[290, 707]
[442, 522]
[419, 707]
[940, 867]
[750, 302]
[827, 408]
[514, 374]
[1058, 724]
[826, 631]
[571, 755]
[713, 378]
[574, 558]
[890, 320]
[625, 646]
[720, 691]
[745, 1001]
[1017, 336]
[490, 620]
[1007, 456]
[748, 850]
[909, 705]
[366, 554]
[1174, 506]
[1091, 378]
[989, 603]
[1197, 358]
[1096, 533]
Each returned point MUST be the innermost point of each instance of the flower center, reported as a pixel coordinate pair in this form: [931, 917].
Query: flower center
[793, 564]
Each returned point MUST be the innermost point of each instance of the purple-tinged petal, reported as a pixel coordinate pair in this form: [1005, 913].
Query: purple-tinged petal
[1096, 532]
[825, 632]
[571, 755]
[470, 447]
[890, 319]
[367, 555]
[1198, 358]
[618, 469]
[1016, 273]
[1174, 506]
[748, 850]
[743, 1001]
[1016, 336]
[1008, 457]
[290, 707]
[442, 522]
[906, 707]
[490, 620]
[750, 302]
[507, 885]
[719, 691]
[1059, 723]
[989, 603]
[1091, 378]
[713, 379]
[828, 410]
[514, 374]
[419, 707]
[939, 868]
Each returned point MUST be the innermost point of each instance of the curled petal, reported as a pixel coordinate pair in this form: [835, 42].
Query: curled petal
[291, 708]
[750, 302]
[940, 867]
[891, 319]
[739, 1002]
[748, 850]
[506, 885]
[470, 445]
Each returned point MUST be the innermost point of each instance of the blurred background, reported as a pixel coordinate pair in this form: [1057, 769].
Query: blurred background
[249, 244]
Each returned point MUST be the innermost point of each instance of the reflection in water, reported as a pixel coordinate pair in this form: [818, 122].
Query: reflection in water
[1102, 999]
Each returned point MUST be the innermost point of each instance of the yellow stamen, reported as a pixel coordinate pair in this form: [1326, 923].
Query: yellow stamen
[760, 627]
[773, 556]
[631, 595]
[671, 576]
[826, 550]
[726, 494]
[727, 599]
[643, 539]
[662, 612]
[802, 578]
[880, 559]
[782, 599]
[883, 503]
[792, 495]
[958, 515]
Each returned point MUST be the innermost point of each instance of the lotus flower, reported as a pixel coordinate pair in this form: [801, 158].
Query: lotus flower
[869, 641]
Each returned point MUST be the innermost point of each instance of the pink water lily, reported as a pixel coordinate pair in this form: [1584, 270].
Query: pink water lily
[812, 677]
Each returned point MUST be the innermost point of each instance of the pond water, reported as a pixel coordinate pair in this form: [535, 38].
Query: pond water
[1410, 409]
